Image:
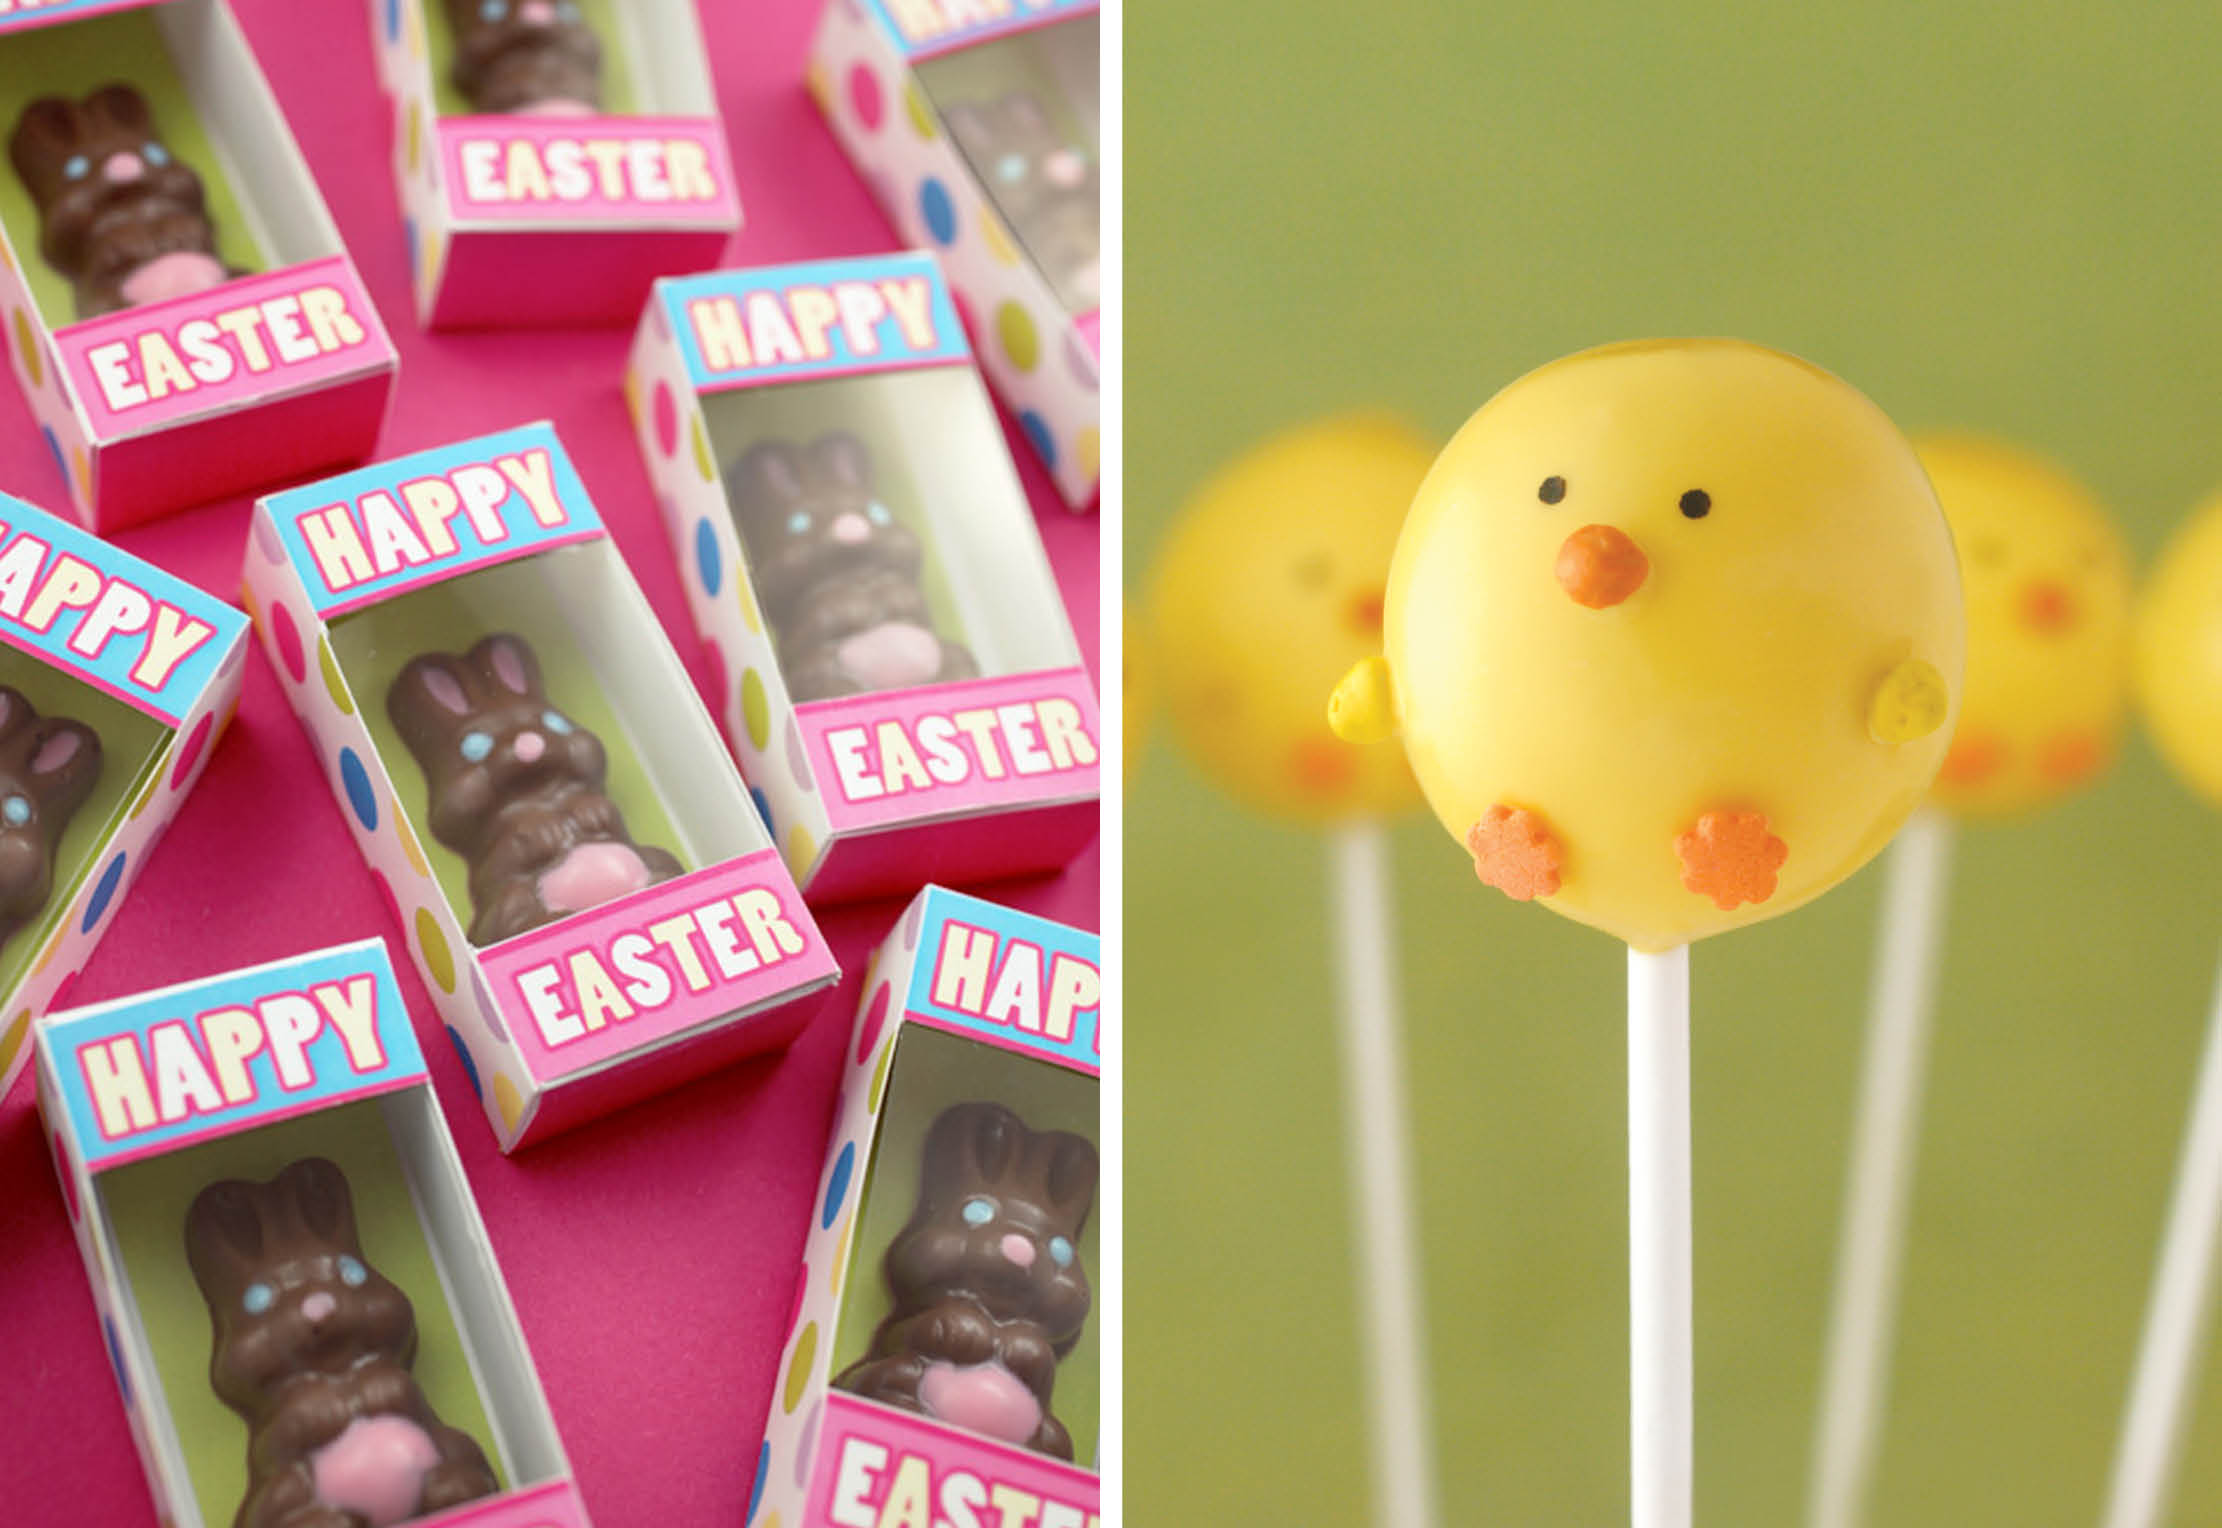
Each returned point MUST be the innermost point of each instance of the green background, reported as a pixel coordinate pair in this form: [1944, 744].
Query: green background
[143, 1203]
[74, 61]
[1998, 217]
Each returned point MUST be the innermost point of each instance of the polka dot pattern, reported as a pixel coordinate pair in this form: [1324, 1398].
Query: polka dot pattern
[919, 114]
[802, 849]
[707, 559]
[470, 1067]
[666, 411]
[287, 635]
[798, 758]
[703, 462]
[334, 686]
[1015, 332]
[866, 97]
[104, 892]
[756, 1491]
[756, 710]
[875, 1019]
[362, 796]
[189, 754]
[998, 240]
[438, 959]
[27, 346]
[509, 1101]
[763, 808]
[840, 1269]
[938, 210]
[411, 850]
[879, 1078]
[115, 1357]
[489, 1012]
[1037, 431]
[12, 1038]
[798, 1369]
[837, 1186]
[807, 1445]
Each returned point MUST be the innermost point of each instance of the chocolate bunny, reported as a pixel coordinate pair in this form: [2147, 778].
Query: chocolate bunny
[313, 1346]
[121, 216]
[836, 572]
[48, 767]
[534, 58]
[1045, 187]
[989, 1291]
[516, 788]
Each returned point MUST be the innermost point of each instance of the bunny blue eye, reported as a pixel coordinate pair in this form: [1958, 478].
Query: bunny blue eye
[798, 522]
[17, 809]
[155, 154]
[1060, 1251]
[258, 1298]
[1011, 167]
[556, 722]
[493, 10]
[476, 746]
[352, 1273]
[978, 1212]
[879, 513]
[76, 167]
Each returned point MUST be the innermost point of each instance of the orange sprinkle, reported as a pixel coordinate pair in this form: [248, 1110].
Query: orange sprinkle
[1731, 857]
[1514, 851]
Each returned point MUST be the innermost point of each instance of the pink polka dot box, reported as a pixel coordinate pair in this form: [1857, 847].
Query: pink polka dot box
[887, 649]
[116, 679]
[584, 883]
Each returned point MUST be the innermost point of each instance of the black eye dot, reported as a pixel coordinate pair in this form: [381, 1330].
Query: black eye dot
[1697, 504]
[1314, 570]
[1553, 490]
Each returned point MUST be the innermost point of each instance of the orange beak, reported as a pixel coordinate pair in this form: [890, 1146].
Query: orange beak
[2047, 607]
[1599, 566]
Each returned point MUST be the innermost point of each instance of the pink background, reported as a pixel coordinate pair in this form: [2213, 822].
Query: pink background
[652, 1255]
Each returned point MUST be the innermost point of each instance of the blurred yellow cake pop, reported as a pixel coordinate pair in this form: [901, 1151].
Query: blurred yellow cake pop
[2047, 583]
[2179, 651]
[1673, 637]
[1267, 588]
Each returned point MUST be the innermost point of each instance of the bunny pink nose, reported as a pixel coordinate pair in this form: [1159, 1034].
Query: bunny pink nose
[851, 528]
[529, 746]
[1065, 168]
[1019, 1249]
[536, 13]
[123, 167]
[319, 1305]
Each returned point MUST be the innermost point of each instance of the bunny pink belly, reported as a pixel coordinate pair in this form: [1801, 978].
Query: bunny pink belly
[987, 1398]
[591, 874]
[173, 275]
[891, 655]
[376, 1469]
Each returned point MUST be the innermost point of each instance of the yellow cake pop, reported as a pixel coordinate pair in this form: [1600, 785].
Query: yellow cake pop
[2047, 584]
[2178, 658]
[1268, 587]
[1673, 635]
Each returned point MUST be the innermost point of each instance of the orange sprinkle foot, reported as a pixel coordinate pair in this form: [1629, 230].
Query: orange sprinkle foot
[1731, 857]
[1972, 759]
[2074, 757]
[1514, 851]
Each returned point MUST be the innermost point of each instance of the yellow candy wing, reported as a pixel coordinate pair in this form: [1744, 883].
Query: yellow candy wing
[1911, 702]
[1363, 707]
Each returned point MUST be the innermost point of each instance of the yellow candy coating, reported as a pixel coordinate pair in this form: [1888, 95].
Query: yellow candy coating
[1265, 590]
[1655, 620]
[2178, 651]
[2047, 582]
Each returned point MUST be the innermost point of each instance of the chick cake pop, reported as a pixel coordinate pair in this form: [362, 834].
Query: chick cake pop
[2177, 670]
[2047, 584]
[1674, 642]
[1268, 588]
[2045, 576]
[1673, 637]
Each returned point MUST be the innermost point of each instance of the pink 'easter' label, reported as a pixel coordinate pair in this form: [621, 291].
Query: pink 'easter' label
[872, 1458]
[554, 1505]
[587, 172]
[715, 944]
[941, 750]
[205, 352]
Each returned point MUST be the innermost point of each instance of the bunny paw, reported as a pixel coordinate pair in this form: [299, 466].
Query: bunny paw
[1514, 851]
[1731, 858]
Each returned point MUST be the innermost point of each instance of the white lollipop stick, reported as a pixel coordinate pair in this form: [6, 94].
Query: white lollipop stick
[1660, 1346]
[1377, 1133]
[2176, 1318]
[1885, 1131]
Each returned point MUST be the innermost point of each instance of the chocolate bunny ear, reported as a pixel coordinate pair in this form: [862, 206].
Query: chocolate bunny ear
[844, 458]
[119, 105]
[224, 1237]
[44, 134]
[967, 1145]
[316, 1192]
[65, 762]
[1071, 1179]
[430, 698]
[766, 483]
[511, 663]
[15, 711]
